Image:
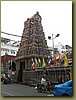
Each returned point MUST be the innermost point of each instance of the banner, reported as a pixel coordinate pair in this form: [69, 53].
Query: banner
[43, 63]
[57, 60]
[11, 62]
[61, 61]
[65, 60]
[49, 61]
[70, 75]
[33, 64]
[39, 62]
[36, 63]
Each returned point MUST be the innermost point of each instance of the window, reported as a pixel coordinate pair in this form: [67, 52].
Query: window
[7, 50]
[12, 51]
[63, 47]
[4, 49]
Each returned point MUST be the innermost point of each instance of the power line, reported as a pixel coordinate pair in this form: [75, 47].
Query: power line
[10, 40]
[11, 34]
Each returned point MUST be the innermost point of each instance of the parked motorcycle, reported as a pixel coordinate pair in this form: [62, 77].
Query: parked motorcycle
[6, 79]
[41, 87]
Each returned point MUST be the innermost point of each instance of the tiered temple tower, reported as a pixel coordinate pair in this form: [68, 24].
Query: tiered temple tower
[33, 44]
[33, 38]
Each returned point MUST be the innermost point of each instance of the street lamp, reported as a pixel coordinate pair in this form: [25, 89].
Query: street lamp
[49, 37]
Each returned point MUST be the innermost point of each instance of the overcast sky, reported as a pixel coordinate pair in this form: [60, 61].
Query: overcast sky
[56, 18]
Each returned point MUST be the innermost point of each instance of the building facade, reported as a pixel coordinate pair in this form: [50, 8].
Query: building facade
[67, 49]
[6, 61]
[8, 53]
[9, 47]
[63, 48]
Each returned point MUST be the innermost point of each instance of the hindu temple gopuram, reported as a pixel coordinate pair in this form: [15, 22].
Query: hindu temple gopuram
[33, 48]
[33, 45]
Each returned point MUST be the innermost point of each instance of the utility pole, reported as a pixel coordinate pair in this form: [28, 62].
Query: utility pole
[49, 37]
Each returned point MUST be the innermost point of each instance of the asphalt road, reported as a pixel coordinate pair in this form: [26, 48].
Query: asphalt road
[20, 90]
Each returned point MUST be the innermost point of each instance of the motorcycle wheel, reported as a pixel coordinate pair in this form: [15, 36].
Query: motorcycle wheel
[39, 89]
[4, 82]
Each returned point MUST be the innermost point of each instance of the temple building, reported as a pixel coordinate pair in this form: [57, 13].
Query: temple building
[33, 46]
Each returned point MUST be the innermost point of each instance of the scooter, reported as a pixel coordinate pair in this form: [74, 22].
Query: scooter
[42, 88]
[6, 79]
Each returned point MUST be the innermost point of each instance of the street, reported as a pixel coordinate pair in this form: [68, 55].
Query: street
[20, 90]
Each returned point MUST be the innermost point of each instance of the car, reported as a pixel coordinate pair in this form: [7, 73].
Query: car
[64, 89]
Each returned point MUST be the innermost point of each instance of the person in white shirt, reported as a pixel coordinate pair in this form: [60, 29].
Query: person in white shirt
[43, 81]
